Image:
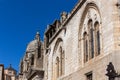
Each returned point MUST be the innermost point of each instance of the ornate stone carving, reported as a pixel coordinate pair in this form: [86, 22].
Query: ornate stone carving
[89, 14]
[95, 15]
[111, 73]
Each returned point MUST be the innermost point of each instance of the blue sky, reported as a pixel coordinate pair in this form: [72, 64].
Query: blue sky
[19, 22]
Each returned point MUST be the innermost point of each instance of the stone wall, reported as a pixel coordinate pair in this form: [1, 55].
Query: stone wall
[75, 68]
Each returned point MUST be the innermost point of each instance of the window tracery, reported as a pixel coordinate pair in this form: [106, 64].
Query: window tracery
[90, 32]
[97, 38]
[59, 63]
[85, 47]
[91, 39]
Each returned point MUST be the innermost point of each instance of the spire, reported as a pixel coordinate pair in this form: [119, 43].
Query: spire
[10, 66]
[37, 37]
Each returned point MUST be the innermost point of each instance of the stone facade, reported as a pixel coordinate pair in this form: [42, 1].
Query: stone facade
[69, 41]
[81, 44]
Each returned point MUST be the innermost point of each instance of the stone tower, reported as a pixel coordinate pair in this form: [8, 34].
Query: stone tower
[31, 66]
[10, 73]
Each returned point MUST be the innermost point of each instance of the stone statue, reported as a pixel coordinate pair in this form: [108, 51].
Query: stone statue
[111, 73]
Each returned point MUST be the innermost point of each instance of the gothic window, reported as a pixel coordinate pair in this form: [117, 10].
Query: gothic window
[32, 60]
[85, 47]
[91, 40]
[58, 63]
[47, 39]
[39, 51]
[90, 33]
[97, 38]
[62, 62]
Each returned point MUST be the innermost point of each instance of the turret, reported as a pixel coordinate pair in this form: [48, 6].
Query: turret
[10, 73]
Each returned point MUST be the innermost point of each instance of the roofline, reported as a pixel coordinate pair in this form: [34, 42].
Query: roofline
[74, 11]
[2, 65]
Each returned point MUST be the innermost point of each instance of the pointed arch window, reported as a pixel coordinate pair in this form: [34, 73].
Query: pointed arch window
[90, 36]
[85, 47]
[97, 38]
[91, 39]
[62, 61]
[32, 60]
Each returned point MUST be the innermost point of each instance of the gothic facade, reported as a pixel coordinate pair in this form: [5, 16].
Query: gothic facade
[79, 46]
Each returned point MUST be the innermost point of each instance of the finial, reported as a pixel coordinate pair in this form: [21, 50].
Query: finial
[63, 16]
[37, 33]
[10, 65]
[37, 37]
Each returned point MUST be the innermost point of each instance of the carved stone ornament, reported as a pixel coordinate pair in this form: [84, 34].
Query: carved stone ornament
[95, 15]
[89, 14]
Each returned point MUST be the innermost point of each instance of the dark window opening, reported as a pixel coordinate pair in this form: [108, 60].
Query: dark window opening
[97, 38]
[39, 51]
[91, 39]
[89, 76]
[85, 47]
[32, 62]
[47, 40]
[98, 42]
[92, 43]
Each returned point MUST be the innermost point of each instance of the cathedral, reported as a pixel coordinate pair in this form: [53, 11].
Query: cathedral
[82, 45]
